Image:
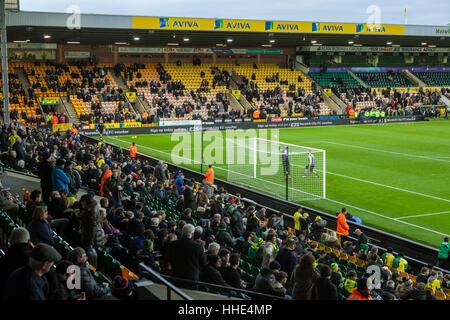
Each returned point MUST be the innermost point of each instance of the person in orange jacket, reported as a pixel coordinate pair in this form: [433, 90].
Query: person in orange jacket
[106, 175]
[54, 119]
[133, 151]
[342, 225]
[362, 291]
[210, 174]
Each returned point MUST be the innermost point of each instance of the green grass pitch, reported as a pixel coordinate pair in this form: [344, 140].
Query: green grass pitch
[395, 177]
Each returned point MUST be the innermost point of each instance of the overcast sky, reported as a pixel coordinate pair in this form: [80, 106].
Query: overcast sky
[422, 12]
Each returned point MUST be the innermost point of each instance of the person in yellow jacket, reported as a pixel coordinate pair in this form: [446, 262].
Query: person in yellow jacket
[210, 174]
[351, 282]
[12, 138]
[297, 216]
[388, 257]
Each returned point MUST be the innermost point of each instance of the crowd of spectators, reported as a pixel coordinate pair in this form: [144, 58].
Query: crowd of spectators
[207, 241]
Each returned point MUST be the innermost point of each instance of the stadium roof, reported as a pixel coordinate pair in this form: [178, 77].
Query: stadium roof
[156, 31]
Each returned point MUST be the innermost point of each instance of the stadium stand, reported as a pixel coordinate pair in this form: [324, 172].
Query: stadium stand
[339, 80]
[279, 91]
[176, 91]
[384, 79]
[143, 210]
[24, 108]
[434, 78]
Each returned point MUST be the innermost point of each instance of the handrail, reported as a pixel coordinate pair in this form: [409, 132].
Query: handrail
[170, 286]
[228, 289]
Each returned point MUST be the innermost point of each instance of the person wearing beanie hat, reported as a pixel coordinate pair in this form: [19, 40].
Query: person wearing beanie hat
[29, 282]
[123, 288]
[275, 266]
[362, 291]
[336, 275]
[404, 288]
[60, 180]
[147, 256]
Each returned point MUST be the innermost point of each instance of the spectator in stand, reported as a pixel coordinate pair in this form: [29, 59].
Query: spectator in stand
[420, 293]
[390, 288]
[443, 259]
[400, 263]
[237, 224]
[186, 257]
[388, 257]
[39, 229]
[33, 201]
[123, 288]
[286, 257]
[270, 250]
[113, 188]
[361, 237]
[59, 177]
[423, 276]
[92, 234]
[265, 281]
[361, 292]
[189, 196]
[28, 282]
[404, 288]
[303, 279]
[94, 291]
[44, 171]
[326, 290]
[231, 274]
[16, 255]
[210, 272]
[179, 183]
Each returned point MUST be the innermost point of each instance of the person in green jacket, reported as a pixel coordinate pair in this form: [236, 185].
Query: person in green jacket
[443, 254]
[400, 263]
[251, 254]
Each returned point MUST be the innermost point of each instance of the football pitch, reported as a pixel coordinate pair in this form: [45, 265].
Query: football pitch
[395, 177]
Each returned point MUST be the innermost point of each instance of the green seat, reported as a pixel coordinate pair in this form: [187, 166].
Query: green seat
[246, 266]
[360, 269]
[254, 271]
[352, 266]
[344, 263]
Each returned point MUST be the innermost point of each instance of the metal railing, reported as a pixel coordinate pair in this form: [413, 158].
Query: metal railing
[250, 293]
[159, 279]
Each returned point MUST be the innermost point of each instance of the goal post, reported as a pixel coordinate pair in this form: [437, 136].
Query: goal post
[297, 173]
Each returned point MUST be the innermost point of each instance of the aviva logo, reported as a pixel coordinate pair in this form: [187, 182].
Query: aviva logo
[163, 22]
[218, 24]
[326, 27]
[269, 25]
[361, 27]
[281, 26]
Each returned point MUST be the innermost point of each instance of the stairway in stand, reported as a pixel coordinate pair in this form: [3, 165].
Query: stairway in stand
[73, 117]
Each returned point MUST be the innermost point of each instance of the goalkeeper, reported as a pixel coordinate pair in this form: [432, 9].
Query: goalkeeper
[285, 160]
[310, 165]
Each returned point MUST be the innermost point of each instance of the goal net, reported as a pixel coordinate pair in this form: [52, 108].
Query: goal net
[292, 172]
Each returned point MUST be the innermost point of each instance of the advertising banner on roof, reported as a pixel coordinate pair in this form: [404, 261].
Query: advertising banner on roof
[192, 24]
